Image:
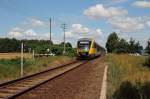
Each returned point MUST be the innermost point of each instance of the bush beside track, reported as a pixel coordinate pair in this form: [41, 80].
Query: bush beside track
[128, 77]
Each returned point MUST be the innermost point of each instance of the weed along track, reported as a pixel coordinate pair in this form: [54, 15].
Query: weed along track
[20, 86]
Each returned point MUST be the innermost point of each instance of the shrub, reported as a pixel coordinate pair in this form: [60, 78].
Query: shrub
[126, 91]
[147, 62]
[70, 52]
[57, 50]
[130, 91]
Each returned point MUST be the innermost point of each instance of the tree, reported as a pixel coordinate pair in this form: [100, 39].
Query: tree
[134, 47]
[138, 48]
[66, 44]
[116, 45]
[147, 49]
[112, 42]
[57, 50]
[122, 46]
[131, 48]
[39, 46]
[9, 45]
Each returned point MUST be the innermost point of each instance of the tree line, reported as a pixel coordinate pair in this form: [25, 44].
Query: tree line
[115, 44]
[39, 46]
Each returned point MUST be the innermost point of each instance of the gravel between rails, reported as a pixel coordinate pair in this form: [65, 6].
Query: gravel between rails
[83, 82]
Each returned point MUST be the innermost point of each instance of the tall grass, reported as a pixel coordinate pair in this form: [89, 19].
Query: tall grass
[125, 68]
[10, 68]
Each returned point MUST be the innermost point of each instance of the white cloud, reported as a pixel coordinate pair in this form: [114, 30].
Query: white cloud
[27, 30]
[127, 24]
[118, 17]
[99, 32]
[44, 36]
[69, 34]
[30, 33]
[99, 11]
[33, 23]
[78, 28]
[142, 4]
[21, 34]
[57, 41]
[27, 33]
[17, 29]
[79, 31]
[148, 23]
[36, 23]
[15, 34]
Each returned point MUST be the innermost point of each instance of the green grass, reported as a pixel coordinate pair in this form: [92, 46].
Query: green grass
[125, 68]
[10, 68]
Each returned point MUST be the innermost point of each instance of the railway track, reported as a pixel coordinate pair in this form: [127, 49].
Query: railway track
[20, 86]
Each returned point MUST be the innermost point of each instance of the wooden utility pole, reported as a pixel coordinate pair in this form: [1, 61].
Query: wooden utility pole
[21, 69]
[50, 30]
[64, 27]
[50, 25]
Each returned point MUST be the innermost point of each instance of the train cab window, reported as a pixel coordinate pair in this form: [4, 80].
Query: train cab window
[84, 44]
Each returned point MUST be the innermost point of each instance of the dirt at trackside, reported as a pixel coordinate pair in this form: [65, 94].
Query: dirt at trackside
[83, 82]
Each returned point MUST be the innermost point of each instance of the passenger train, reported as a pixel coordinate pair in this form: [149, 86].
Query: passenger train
[88, 48]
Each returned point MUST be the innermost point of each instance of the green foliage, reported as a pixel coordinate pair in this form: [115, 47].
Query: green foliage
[134, 47]
[122, 46]
[10, 68]
[70, 52]
[129, 91]
[116, 45]
[147, 62]
[9, 45]
[15, 61]
[126, 91]
[42, 49]
[147, 49]
[57, 50]
[112, 42]
[67, 44]
[124, 71]
[39, 46]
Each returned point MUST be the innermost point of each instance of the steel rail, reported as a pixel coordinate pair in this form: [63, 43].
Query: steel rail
[19, 79]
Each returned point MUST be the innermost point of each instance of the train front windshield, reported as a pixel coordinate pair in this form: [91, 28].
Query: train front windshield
[84, 45]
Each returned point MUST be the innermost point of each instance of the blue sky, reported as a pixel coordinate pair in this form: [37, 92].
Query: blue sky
[85, 18]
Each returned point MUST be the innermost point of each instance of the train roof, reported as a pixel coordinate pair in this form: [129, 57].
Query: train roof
[89, 39]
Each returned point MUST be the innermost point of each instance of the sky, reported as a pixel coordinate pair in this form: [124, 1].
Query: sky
[29, 19]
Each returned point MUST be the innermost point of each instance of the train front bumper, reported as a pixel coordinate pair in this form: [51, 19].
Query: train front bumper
[83, 54]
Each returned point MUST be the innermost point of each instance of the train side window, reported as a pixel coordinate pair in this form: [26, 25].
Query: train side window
[95, 45]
